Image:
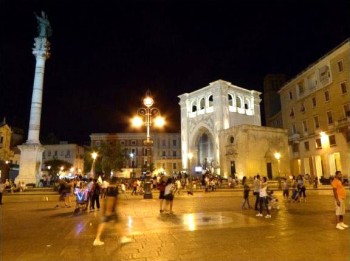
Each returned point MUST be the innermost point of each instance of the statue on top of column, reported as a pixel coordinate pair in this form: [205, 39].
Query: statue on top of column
[44, 27]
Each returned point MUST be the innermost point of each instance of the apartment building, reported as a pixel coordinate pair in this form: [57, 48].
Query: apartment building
[164, 154]
[5, 142]
[315, 107]
[72, 153]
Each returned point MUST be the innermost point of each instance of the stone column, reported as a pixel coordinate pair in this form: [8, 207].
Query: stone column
[31, 151]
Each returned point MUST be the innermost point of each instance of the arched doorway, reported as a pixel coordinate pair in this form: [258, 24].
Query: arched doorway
[205, 150]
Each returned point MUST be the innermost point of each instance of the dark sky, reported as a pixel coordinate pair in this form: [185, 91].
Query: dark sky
[106, 54]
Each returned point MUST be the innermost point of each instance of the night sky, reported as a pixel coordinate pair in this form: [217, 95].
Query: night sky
[106, 54]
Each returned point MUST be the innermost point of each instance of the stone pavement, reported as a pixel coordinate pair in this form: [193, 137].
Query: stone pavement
[206, 226]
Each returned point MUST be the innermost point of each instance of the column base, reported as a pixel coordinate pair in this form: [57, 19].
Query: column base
[30, 163]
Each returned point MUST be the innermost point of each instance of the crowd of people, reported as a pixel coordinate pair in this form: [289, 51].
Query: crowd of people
[87, 195]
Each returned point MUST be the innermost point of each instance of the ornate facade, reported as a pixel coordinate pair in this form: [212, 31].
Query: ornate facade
[209, 116]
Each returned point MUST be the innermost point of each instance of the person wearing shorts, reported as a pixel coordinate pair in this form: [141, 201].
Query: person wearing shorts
[339, 196]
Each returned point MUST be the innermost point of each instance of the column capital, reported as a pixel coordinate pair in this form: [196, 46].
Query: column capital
[41, 47]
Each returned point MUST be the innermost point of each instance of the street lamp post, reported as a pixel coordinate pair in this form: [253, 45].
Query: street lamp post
[278, 157]
[132, 165]
[144, 117]
[190, 156]
[94, 156]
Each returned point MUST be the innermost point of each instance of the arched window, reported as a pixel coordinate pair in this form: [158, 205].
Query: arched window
[238, 102]
[202, 104]
[210, 101]
[247, 104]
[194, 107]
[231, 139]
[230, 100]
[291, 114]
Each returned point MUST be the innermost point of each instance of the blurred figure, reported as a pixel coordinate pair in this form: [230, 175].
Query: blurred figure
[2, 188]
[246, 190]
[109, 214]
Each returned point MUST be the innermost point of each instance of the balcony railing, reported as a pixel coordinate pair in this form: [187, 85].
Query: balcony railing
[294, 136]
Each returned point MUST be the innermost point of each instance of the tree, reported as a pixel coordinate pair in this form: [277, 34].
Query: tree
[55, 166]
[110, 157]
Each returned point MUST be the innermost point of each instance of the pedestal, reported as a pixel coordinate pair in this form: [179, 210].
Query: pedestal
[30, 162]
[148, 189]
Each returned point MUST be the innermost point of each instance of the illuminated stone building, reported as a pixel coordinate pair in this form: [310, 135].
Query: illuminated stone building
[316, 113]
[221, 128]
[5, 142]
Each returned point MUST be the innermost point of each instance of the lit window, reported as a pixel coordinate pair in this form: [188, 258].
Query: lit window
[340, 66]
[305, 126]
[343, 88]
[211, 101]
[290, 96]
[202, 104]
[318, 143]
[347, 110]
[316, 121]
[329, 117]
[301, 88]
[194, 107]
[326, 95]
[314, 102]
[291, 114]
[332, 141]
[230, 100]
[232, 139]
[295, 147]
[238, 102]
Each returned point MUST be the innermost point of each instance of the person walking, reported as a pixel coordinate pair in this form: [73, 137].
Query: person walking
[161, 187]
[2, 188]
[339, 196]
[109, 214]
[301, 188]
[169, 195]
[95, 195]
[134, 188]
[263, 199]
[256, 191]
[286, 185]
[246, 190]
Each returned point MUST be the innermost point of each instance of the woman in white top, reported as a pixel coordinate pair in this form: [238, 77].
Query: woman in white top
[263, 198]
[168, 194]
